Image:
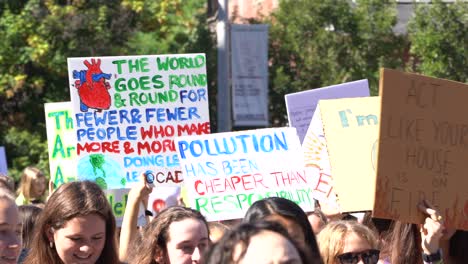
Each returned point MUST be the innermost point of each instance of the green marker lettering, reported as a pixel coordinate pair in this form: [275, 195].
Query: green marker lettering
[58, 147]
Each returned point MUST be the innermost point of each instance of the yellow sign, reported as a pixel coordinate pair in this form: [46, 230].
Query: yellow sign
[350, 126]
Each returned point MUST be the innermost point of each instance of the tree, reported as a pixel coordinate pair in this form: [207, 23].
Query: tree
[39, 35]
[439, 40]
[315, 43]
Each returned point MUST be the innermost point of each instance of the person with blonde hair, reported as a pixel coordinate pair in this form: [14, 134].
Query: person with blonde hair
[217, 230]
[348, 242]
[32, 186]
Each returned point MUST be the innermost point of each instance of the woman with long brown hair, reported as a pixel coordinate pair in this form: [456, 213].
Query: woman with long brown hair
[76, 226]
[176, 235]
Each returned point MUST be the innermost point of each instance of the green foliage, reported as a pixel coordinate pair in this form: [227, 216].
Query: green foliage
[165, 26]
[439, 40]
[315, 43]
[39, 35]
[24, 149]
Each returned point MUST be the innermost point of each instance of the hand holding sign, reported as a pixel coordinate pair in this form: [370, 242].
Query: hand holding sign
[141, 191]
[432, 229]
[150, 178]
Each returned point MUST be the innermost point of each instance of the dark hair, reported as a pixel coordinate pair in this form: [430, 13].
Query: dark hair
[261, 209]
[458, 250]
[223, 250]
[319, 213]
[155, 235]
[7, 182]
[28, 215]
[73, 199]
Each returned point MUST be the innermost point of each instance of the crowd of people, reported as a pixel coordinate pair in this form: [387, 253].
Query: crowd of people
[75, 224]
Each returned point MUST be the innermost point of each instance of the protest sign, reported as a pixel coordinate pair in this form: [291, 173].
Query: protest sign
[301, 106]
[61, 142]
[3, 161]
[129, 109]
[314, 147]
[226, 172]
[351, 128]
[163, 197]
[118, 202]
[422, 148]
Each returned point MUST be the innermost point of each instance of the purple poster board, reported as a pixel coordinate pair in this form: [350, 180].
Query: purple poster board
[3, 161]
[301, 106]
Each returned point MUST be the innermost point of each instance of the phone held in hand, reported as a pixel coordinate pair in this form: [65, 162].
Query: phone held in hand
[149, 176]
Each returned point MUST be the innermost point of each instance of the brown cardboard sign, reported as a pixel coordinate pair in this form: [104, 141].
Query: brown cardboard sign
[423, 148]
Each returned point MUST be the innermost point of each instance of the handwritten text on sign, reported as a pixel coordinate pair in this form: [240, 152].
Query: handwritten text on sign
[61, 141]
[129, 109]
[351, 130]
[422, 151]
[227, 172]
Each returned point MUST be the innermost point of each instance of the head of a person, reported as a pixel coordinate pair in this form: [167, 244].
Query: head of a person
[75, 226]
[33, 183]
[348, 242]
[217, 230]
[10, 228]
[317, 220]
[401, 244]
[28, 215]
[257, 242]
[7, 182]
[177, 235]
[288, 214]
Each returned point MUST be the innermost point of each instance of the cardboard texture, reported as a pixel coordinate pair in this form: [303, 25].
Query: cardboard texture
[423, 148]
[351, 130]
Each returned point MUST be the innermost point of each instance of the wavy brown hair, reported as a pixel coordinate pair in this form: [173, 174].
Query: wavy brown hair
[73, 199]
[28, 215]
[152, 242]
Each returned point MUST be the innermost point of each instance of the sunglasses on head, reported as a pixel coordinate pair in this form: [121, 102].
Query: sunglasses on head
[370, 256]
